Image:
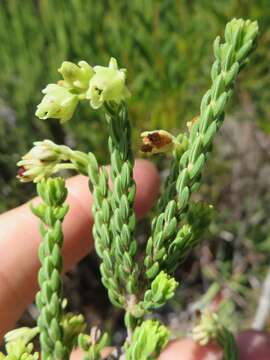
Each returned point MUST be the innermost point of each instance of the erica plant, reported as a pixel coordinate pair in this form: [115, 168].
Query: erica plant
[137, 282]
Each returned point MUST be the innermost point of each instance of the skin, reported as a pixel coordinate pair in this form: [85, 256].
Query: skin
[19, 241]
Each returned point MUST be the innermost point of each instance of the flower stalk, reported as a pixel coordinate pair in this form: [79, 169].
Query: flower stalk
[49, 298]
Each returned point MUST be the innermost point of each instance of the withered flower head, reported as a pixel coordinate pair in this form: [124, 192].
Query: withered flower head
[157, 141]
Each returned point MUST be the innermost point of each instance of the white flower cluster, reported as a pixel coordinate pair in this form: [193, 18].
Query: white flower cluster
[45, 159]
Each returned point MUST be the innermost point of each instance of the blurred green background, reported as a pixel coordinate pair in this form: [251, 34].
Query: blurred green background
[166, 46]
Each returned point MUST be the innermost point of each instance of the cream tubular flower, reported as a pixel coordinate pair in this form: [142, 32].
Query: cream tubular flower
[58, 103]
[38, 162]
[43, 160]
[47, 158]
[157, 141]
[23, 333]
[107, 84]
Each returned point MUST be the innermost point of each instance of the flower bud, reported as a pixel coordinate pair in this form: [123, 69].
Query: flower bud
[23, 333]
[157, 141]
[72, 325]
[207, 329]
[76, 76]
[58, 103]
[163, 286]
[107, 84]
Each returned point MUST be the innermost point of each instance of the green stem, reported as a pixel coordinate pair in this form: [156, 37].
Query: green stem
[49, 298]
[122, 204]
[101, 230]
[227, 341]
[230, 57]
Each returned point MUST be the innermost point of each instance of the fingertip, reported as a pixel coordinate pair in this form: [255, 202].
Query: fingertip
[148, 181]
[78, 188]
[78, 222]
[76, 354]
[187, 349]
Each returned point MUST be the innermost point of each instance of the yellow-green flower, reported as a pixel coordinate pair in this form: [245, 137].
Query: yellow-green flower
[58, 103]
[107, 84]
[76, 77]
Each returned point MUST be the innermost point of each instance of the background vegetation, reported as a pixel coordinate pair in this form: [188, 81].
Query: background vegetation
[166, 47]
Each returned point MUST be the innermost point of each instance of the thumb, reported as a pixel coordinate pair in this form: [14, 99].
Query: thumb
[187, 349]
[19, 240]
